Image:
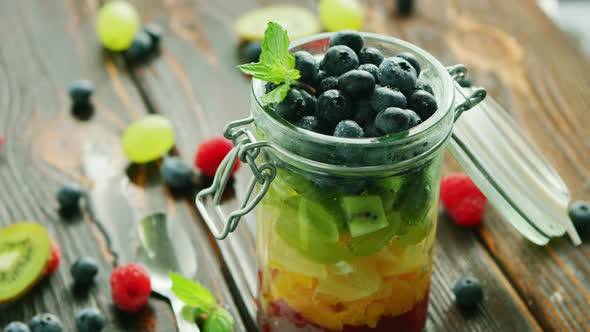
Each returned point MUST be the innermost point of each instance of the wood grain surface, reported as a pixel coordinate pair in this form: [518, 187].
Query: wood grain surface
[511, 47]
[50, 45]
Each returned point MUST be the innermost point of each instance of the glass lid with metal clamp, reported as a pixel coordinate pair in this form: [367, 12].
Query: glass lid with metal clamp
[345, 225]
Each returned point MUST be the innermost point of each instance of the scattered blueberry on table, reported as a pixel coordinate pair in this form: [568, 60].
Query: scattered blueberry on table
[468, 292]
[46, 322]
[141, 47]
[84, 270]
[17, 327]
[68, 197]
[90, 320]
[155, 32]
[176, 173]
[405, 7]
[579, 213]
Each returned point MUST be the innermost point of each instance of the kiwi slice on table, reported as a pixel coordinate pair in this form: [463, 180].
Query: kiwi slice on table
[25, 249]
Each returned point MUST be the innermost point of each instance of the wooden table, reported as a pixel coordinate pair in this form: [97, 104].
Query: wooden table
[511, 47]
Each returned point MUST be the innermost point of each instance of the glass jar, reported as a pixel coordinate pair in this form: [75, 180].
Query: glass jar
[345, 227]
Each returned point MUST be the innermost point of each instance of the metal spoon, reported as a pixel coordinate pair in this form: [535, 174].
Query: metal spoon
[165, 249]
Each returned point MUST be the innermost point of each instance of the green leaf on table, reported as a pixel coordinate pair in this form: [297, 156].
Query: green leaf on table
[220, 320]
[191, 292]
[276, 64]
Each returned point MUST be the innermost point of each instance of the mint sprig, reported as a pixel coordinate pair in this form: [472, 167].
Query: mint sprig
[276, 64]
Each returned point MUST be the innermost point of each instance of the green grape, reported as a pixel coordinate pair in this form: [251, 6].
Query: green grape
[338, 15]
[117, 24]
[148, 139]
[220, 320]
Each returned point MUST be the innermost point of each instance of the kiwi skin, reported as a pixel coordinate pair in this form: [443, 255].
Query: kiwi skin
[30, 266]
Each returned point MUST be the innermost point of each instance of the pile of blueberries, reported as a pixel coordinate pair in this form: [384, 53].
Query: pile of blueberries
[354, 91]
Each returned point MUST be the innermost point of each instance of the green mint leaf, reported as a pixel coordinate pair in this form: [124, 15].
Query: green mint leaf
[275, 47]
[277, 95]
[220, 320]
[191, 292]
[276, 64]
[263, 72]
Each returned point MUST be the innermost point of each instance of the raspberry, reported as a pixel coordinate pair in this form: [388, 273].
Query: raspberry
[54, 259]
[210, 154]
[462, 199]
[1, 142]
[130, 287]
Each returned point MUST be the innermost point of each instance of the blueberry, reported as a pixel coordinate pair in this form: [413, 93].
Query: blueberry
[405, 7]
[17, 327]
[269, 86]
[307, 66]
[328, 83]
[310, 103]
[423, 85]
[310, 123]
[349, 38]
[348, 128]
[140, 48]
[250, 52]
[371, 68]
[371, 130]
[176, 173]
[68, 196]
[395, 120]
[422, 103]
[371, 55]
[338, 60]
[363, 112]
[90, 320]
[579, 213]
[383, 98]
[80, 91]
[468, 292]
[45, 323]
[397, 73]
[357, 83]
[155, 32]
[412, 59]
[292, 107]
[84, 270]
[333, 107]
[319, 77]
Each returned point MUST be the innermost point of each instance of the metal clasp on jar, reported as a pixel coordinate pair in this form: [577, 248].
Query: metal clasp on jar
[458, 72]
[247, 149]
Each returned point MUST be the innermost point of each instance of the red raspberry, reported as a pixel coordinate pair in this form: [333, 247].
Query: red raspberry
[1, 142]
[130, 287]
[53, 261]
[210, 154]
[462, 199]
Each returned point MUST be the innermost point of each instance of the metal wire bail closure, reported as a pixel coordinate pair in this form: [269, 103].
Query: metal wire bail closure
[247, 149]
[458, 72]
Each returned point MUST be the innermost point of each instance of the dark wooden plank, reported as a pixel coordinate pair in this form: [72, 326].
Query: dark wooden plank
[538, 74]
[44, 47]
[195, 80]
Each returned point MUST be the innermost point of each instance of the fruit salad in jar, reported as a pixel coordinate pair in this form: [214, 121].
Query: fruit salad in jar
[345, 232]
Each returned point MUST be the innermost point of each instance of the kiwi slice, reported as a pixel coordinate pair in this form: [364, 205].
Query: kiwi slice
[25, 249]
[364, 214]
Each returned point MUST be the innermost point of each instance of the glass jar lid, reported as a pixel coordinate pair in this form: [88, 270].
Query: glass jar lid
[511, 172]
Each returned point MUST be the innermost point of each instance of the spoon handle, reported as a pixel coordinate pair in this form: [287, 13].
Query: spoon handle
[181, 323]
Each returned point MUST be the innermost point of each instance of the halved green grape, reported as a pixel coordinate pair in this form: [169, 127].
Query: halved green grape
[288, 258]
[364, 214]
[312, 246]
[363, 281]
[298, 21]
[338, 15]
[316, 220]
[148, 139]
[116, 24]
[415, 198]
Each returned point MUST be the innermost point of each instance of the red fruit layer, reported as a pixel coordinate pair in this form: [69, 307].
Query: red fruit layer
[410, 321]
